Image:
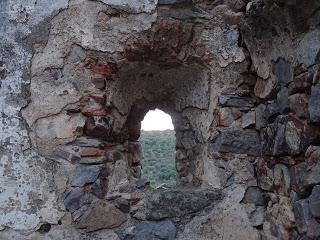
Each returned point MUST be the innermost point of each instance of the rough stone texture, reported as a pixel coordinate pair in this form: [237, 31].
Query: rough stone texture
[314, 109]
[101, 215]
[181, 203]
[238, 141]
[164, 230]
[78, 76]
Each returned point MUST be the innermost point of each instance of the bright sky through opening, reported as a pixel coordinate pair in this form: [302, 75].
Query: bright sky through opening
[156, 120]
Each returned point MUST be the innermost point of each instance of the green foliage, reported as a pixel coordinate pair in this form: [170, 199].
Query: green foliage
[159, 156]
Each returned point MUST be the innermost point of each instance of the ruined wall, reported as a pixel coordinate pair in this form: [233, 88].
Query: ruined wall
[239, 78]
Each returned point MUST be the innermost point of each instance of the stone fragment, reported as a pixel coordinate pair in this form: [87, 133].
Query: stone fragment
[257, 217]
[123, 204]
[92, 160]
[314, 201]
[92, 105]
[97, 189]
[91, 152]
[265, 88]
[86, 174]
[287, 135]
[88, 142]
[101, 215]
[224, 117]
[113, 155]
[304, 176]
[132, 6]
[99, 82]
[283, 71]
[134, 185]
[76, 198]
[283, 100]
[285, 213]
[270, 112]
[255, 196]
[314, 106]
[238, 141]
[228, 15]
[301, 84]
[237, 99]
[248, 119]
[305, 223]
[162, 230]
[64, 154]
[181, 203]
[99, 127]
[299, 105]
[264, 175]
[281, 176]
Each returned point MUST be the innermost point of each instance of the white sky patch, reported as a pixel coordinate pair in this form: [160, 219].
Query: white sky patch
[156, 120]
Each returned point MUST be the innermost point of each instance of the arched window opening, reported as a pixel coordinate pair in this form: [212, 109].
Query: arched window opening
[158, 142]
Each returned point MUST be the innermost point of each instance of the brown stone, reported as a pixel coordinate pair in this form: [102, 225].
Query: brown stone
[99, 82]
[298, 104]
[101, 215]
[91, 105]
[224, 117]
[265, 88]
[264, 175]
[135, 149]
[91, 152]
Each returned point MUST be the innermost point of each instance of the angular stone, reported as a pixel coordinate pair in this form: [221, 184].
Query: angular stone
[101, 215]
[238, 141]
[97, 189]
[132, 6]
[283, 72]
[99, 127]
[91, 152]
[314, 201]
[248, 120]
[162, 230]
[86, 174]
[64, 154]
[299, 105]
[134, 185]
[305, 223]
[301, 83]
[314, 104]
[99, 82]
[255, 196]
[123, 204]
[285, 213]
[113, 155]
[303, 177]
[264, 175]
[265, 88]
[92, 105]
[281, 179]
[88, 142]
[76, 198]
[239, 99]
[181, 203]
[92, 160]
[287, 135]
[257, 217]
[283, 100]
[224, 117]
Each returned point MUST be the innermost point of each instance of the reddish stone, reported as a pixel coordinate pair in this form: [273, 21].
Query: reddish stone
[299, 104]
[102, 69]
[91, 152]
[99, 82]
[135, 149]
[92, 105]
[99, 127]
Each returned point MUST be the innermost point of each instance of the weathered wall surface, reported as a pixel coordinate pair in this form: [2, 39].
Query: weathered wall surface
[239, 78]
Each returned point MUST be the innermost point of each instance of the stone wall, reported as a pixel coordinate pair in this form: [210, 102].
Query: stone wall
[240, 80]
